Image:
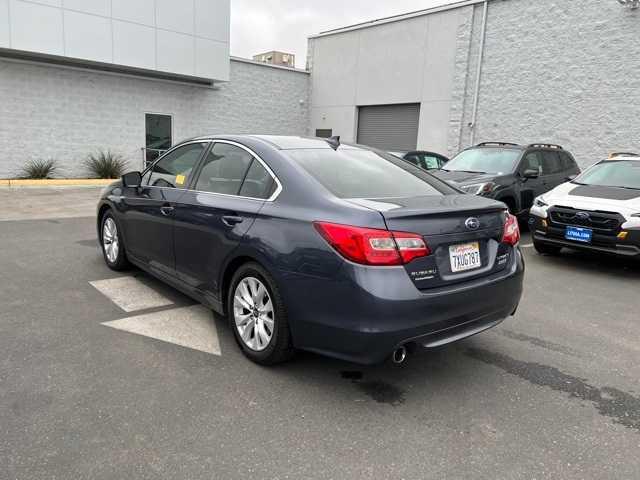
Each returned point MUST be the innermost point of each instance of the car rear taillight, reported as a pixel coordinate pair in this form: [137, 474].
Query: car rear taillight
[370, 246]
[511, 234]
[410, 246]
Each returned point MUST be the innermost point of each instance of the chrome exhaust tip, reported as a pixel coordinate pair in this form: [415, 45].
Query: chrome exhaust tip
[399, 355]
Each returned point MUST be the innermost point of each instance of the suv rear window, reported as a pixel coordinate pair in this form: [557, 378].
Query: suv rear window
[353, 173]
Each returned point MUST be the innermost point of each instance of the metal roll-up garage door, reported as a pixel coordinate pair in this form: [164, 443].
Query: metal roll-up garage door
[389, 127]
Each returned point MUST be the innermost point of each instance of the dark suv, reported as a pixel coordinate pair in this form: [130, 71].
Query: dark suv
[514, 174]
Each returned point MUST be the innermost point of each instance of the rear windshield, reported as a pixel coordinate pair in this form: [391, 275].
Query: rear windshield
[623, 174]
[497, 161]
[353, 173]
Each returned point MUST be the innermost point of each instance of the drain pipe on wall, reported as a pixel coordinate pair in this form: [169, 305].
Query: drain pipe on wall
[476, 95]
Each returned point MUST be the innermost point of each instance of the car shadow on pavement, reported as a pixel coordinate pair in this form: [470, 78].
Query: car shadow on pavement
[424, 371]
[453, 375]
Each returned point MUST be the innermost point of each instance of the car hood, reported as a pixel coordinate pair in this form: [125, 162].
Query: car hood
[463, 178]
[591, 197]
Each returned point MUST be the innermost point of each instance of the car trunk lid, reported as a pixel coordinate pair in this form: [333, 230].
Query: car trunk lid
[456, 228]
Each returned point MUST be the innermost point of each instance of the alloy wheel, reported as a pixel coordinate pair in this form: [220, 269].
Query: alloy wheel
[253, 313]
[110, 240]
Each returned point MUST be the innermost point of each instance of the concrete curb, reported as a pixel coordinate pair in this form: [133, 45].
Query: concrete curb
[57, 182]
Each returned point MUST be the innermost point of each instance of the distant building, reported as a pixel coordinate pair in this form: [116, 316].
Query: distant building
[277, 58]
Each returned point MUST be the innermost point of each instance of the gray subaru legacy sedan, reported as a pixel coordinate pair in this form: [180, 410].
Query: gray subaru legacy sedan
[306, 243]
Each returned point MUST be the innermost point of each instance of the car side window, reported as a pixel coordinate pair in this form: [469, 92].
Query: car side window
[174, 169]
[568, 164]
[258, 182]
[551, 163]
[430, 162]
[532, 161]
[224, 169]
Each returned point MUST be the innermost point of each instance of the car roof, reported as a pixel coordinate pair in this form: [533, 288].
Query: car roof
[498, 145]
[280, 142]
[516, 146]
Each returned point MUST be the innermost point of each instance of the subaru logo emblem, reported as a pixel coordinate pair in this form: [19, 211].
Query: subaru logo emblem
[472, 223]
[583, 216]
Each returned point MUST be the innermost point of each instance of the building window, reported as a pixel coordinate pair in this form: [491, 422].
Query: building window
[158, 135]
[324, 133]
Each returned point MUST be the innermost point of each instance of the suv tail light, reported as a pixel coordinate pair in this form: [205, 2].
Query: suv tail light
[511, 234]
[370, 246]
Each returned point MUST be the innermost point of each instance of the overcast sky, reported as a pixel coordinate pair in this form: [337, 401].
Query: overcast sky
[259, 26]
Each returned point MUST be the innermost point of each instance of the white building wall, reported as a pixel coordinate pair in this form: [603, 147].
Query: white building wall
[65, 114]
[409, 61]
[186, 37]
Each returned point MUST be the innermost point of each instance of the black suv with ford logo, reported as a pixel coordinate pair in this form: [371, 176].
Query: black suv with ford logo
[514, 174]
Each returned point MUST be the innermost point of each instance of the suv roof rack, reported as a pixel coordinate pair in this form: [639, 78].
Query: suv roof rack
[623, 154]
[486, 144]
[545, 145]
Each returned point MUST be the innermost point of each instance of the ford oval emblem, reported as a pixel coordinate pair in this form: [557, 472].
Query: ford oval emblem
[472, 223]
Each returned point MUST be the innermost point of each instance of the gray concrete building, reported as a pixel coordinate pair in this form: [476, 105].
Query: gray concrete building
[66, 113]
[137, 76]
[561, 71]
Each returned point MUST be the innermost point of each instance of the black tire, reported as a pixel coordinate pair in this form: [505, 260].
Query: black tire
[545, 248]
[120, 262]
[280, 348]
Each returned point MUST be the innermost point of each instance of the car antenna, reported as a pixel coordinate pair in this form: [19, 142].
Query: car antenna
[334, 142]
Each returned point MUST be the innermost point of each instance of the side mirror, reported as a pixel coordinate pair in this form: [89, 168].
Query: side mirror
[572, 177]
[131, 180]
[531, 173]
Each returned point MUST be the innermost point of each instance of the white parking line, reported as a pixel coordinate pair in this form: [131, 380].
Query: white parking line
[191, 327]
[130, 294]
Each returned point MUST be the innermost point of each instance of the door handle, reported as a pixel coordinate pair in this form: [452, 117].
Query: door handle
[231, 220]
[167, 210]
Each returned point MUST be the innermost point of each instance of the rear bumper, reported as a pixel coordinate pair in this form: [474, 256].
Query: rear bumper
[610, 244]
[366, 313]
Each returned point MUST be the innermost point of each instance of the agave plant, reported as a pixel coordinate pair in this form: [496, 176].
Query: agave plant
[105, 164]
[39, 168]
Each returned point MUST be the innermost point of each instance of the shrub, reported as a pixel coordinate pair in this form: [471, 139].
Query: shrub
[39, 168]
[105, 165]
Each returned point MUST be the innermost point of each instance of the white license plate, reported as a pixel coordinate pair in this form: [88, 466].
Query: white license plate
[465, 257]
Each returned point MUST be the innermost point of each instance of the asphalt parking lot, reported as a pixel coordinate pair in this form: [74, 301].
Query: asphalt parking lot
[96, 383]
